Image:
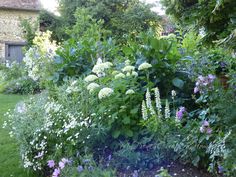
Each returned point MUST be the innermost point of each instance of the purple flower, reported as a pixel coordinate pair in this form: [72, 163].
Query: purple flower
[183, 109]
[220, 169]
[80, 168]
[201, 78]
[196, 89]
[61, 165]
[51, 163]
[209, 130]
[86, 160]
[135, 174]
[90, 168]
[211, 77]
[205, 123]
[180, 113]
[109, 158]
[56, 172]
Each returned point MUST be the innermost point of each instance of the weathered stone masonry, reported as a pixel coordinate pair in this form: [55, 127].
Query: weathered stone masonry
[10, 18]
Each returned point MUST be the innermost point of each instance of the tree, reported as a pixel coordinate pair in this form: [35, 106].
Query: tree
[216, 19]
[120, 16]
[53, 23]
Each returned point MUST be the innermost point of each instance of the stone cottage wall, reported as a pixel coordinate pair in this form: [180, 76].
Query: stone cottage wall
[10, 30]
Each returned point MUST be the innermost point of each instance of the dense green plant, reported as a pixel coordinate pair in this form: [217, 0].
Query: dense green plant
[164, 53]
[14, 79]
[215, 18]
[88, 41]
[22, 85]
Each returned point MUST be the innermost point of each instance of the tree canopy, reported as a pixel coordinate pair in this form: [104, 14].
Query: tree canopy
[120, 17]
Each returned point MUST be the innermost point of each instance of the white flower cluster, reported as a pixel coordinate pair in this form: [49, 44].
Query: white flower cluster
[72, 88]
[105, 92]
[144, 66]
[148, 108]
[92, 86]
[130, 92]
[100, 68]
[128, 68]
[38, 57]
[57, 127]
[90, 78]
[119, 76]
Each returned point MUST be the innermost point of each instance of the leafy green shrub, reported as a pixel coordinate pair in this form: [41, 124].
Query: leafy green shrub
[14, 80]
[22, 85]
[88, 41]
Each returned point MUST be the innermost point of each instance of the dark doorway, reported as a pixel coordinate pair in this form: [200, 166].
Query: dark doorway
[14, 52]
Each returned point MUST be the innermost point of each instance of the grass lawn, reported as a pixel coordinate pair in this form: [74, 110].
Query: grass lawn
[10, 165]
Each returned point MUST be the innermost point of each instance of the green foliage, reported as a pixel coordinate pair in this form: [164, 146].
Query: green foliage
[163, 173]
[14, 80]
[215, 18]
[120, 17]
[30, 29]
[87, 167]
[50, 22]
[88, 42]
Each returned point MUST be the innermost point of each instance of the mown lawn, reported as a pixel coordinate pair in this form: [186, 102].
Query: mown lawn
[10, 165]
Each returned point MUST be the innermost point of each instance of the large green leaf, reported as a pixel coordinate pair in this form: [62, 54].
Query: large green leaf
[178, 83]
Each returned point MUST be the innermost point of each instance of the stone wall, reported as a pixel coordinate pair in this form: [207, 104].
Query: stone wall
[10, 30]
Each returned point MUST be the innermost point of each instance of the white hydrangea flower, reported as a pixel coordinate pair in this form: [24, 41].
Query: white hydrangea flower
[128, 74]
[127, 62]
[128, 68]
[135, 74]
[90, 78]
[107, 65]
[130, 92]
[144, 66]
[100, 68]
[120, 75]
[92, 86]
[105, 92]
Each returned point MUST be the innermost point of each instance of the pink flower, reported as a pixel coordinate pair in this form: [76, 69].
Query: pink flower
[51, 163]
[56, 172]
